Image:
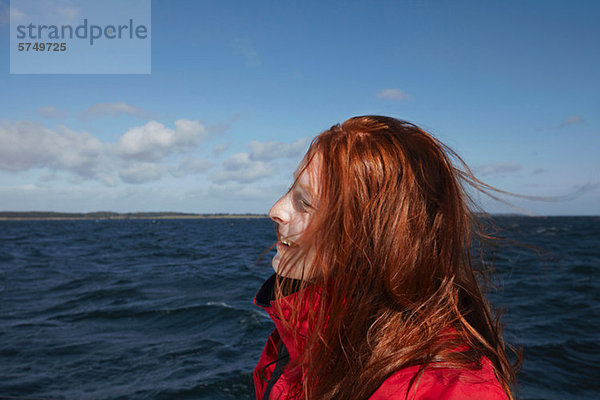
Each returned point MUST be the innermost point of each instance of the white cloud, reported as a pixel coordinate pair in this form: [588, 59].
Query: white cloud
[267, 151]
[572, 120]
[195, 164]
[237, 161]
[220, 148]
[393, 94]
[223, 126]
[257, 164]
[244, 47]
[144, 153]
[191, 165]
[51, 112]
[236, 191]
[115, 110]
[141, 173]
[154, 141]
[240, 168]
[497, 168]
[139, 156]
[26, 145]
[107, 179]
[188, 133]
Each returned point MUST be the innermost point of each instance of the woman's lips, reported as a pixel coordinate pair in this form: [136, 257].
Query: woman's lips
[283, 241]
[281, 246]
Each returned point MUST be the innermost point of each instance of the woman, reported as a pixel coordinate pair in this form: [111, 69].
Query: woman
[375, 295]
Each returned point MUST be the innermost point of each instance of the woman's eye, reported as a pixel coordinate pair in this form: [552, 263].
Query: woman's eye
[302, 204]
[305, 204]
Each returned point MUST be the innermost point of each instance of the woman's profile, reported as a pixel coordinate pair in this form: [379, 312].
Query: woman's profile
[375, 294]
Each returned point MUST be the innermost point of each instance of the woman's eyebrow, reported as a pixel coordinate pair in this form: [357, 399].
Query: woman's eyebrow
[305, 188]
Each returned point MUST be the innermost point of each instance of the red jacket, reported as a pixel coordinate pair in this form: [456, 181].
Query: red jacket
[272, 380]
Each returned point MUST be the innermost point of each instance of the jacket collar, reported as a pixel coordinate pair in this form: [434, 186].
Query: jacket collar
[265, 298]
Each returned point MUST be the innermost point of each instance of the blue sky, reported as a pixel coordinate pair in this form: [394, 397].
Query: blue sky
[238, 89]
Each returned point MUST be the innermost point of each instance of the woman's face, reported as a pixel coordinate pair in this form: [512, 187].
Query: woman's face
[292, 213]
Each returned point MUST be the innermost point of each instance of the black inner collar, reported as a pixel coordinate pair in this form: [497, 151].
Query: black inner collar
[266, 293]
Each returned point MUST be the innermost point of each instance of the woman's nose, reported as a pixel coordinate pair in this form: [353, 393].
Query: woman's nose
[279, 212]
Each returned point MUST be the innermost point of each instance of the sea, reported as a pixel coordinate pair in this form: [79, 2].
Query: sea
[163, 309]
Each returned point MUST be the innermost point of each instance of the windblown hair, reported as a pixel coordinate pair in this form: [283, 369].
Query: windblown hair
[391, 238]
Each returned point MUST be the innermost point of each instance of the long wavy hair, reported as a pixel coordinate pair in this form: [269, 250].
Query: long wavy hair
[389, 244]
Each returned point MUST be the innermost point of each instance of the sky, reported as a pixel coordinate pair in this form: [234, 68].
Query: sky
[237, 90]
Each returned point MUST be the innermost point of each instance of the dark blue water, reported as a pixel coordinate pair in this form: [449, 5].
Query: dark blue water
[141, 309]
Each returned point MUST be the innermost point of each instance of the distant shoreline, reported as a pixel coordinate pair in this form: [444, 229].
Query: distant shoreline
[58, 216]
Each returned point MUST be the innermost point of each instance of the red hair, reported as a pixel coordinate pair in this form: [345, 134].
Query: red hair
[391, 239]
